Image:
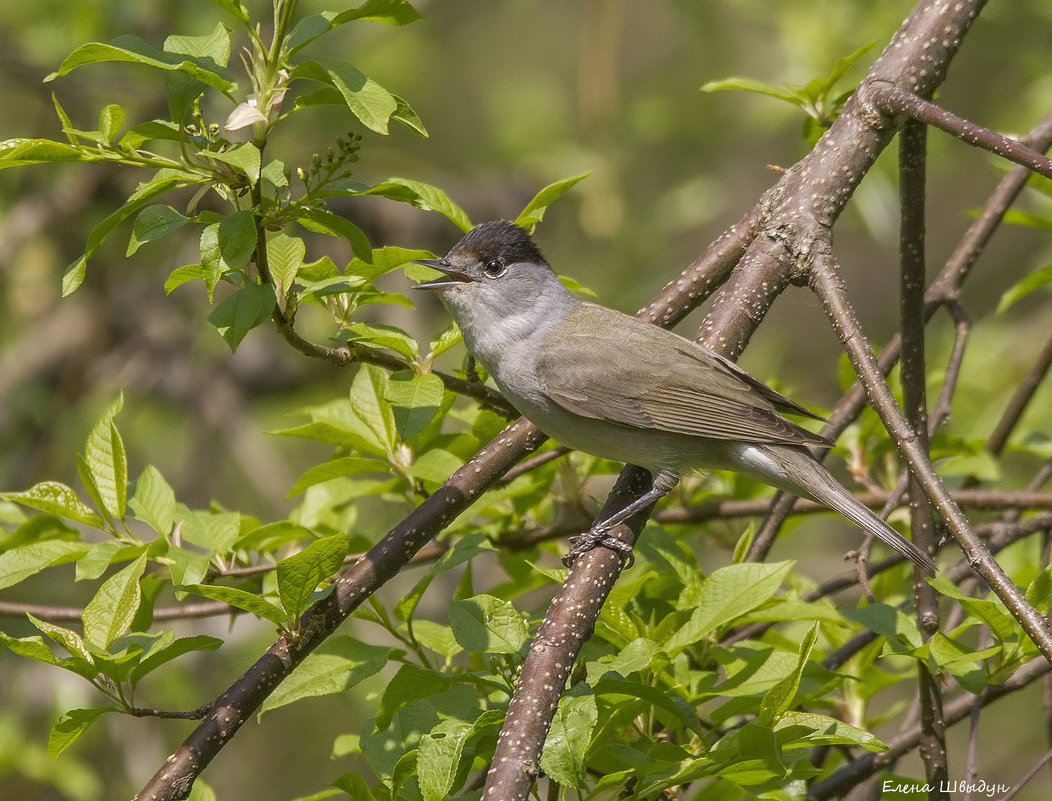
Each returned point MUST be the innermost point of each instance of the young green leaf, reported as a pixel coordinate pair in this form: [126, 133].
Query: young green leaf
[382, 336]
[727, 593]
[249, 307]
[245, 158]
[563, 757]
[367, 100]
[154, 222]
[213, 47]
[780, 697]
[300, 574]
[106, 462]
[56, 498]
[534, 211]
[325, 222]
[109, 614]
[153, 500]
[423, 196]
[26, 152]
[20, 563]
[339, 664]
[242, 599]
[487, 624]
[133, 49]
[370, 407]
[284, 256]
[414, 399]
[69, 728]
[439, 756]
[172, 650]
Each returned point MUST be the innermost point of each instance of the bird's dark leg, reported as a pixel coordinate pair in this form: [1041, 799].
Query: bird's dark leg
[599, 534]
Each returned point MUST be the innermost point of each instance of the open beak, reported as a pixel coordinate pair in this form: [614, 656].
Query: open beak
[453, 277]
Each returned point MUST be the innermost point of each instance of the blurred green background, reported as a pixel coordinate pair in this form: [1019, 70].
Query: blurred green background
[515, 94]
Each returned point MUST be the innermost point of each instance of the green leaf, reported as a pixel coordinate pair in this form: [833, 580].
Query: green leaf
[69, 728]
[68, 639]
[780, 697]
[744, 84]
[284, 256]
[367, 100]
[164, 181]
[109, 614]
[486, 624]
[409, 684]
[214, 46]
[325, 222]
[727, 593]
[382, 336]
[172, 650]
[111, 120]
[228, 245]
[408, 117]
[153, 500]
[534, 211]
[154, 222]
[133, 49]
[340, 467]
[20, 563]
[247, 308]
[57, 499]
[900, 628]
[26, 152]
[192, 272]
[300, 574]
[439, 755]
[245, 158]
[369, 405]
[214, 531]
[389, 12]
[423, 196]
[105, 459]
[825, 730]
[1036, 280]
[339, 664]
[241, 599]
[563, 757]
[414, 400]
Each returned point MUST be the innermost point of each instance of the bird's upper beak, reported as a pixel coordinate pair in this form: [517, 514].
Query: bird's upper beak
[454, 277]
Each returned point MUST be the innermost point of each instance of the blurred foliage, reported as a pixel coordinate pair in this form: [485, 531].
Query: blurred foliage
[515, 96]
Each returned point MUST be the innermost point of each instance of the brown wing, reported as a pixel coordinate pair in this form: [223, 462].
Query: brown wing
[630, 372]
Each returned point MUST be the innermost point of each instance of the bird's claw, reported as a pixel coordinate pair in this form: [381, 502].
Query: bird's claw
[594, 538]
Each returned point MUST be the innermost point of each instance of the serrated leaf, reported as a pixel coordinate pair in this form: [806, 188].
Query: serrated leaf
[69, 728]
[153, 500]
[486, 624]
[409, 684]
[423, 196]
[298, 576]
[339, 664]
[284, 256]
[249, 307]
[154, 222]
[105, 459]
[534, 211]
[20, 563]
[214, 531]
[250, 602]
[727, 593]
[57, 499]
[563, 757]
[67, 638]
[109, 614]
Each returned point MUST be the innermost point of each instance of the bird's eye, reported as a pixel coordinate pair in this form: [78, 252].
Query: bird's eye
[494, 268]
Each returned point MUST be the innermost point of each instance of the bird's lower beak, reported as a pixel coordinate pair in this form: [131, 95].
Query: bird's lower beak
[453, 277]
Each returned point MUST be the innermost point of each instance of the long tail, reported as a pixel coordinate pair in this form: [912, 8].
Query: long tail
[807, 477]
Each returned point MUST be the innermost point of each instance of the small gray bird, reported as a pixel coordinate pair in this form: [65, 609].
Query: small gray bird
[614, 386]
